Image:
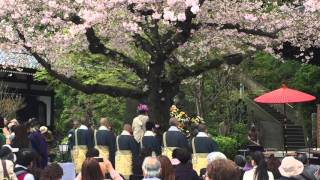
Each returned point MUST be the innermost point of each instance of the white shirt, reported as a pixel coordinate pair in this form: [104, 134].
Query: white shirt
[103, 128]
[83, 127]
[126, 133]
[149, 133]
[202, 134]
[173, 128]
[139, 126]
[28, 176]
[249, 175]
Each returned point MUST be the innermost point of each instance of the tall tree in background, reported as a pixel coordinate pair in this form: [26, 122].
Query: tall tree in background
[161, 42]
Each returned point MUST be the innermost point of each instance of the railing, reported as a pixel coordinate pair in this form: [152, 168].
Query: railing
[257, 89]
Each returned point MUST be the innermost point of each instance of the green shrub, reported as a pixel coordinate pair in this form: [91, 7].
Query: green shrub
[227, 145]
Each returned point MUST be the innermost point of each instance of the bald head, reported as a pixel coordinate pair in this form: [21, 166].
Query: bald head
[173, 122]
[76, 124]
[127, 127]
[151, 167]
[104, 122]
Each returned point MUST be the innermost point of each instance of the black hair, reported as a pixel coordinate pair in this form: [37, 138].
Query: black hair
[25, 157]
[302, 157]
[183, 155]
[261, 172]
[6, 154]
[1, 122]
[92, 152]
[33, 122]
[240, 160]
[149, 126]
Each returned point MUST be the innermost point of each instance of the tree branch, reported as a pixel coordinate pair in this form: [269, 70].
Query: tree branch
[256, 32]
[202, 67]
[96, 47]
[88, 89]
[72, 82]
[186, 27]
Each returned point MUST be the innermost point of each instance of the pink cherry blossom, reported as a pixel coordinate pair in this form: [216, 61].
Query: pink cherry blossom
[250, 17]
[181, 17]
[195, 9]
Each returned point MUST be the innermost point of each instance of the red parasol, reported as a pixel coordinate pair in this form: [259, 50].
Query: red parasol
[284, 95]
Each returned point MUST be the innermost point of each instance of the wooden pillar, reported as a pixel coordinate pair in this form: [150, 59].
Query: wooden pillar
[318, 125]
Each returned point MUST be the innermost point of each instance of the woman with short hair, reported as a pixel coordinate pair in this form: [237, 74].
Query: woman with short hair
[222, 169]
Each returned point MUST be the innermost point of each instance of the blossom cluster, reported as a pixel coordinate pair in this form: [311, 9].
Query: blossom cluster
[56, 28]
[186, 124]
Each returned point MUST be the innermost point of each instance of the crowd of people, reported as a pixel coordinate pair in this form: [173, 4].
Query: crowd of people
[138, 152]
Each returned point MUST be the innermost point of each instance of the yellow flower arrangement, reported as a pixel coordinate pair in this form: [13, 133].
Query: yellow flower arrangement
[186, 123]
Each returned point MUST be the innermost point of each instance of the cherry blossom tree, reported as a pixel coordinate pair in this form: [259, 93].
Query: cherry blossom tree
[162, 42]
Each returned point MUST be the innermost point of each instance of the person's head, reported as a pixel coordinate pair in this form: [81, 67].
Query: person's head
[127, 127]
[76, 124]
[91, 170]
[222, 169]
[290, 167]
[253, 128]
[173, 122]
[215, 156]
[92, 152]
[167, 171]
[183, 155]
[142, 109]
[258, 160]
[273, 165]
[202, 128]
[25, 158]
[302, 157]
[7, 153]
[151, 167]
[52, 172]
[150, 126]
[104, 122]
[240, 160]
[33, 123]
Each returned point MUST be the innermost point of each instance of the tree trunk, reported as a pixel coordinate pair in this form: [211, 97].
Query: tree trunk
[161, 94]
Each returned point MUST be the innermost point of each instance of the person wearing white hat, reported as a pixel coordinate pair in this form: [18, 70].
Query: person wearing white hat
[291, 168]
[7, 162]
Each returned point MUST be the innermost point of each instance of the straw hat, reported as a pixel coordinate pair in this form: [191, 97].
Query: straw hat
[43, 129]
[290, 167]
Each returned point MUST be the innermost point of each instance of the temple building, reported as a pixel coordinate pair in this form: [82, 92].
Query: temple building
[19, 79]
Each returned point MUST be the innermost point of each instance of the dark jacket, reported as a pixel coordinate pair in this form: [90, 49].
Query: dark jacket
[40, 146]
[205, 145]
[152, 143]
[84, 137]
[176, 139]
[107, 138]
[127, 142]
[185, 172]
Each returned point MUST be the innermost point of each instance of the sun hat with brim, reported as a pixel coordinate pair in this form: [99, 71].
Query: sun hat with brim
[43, 129]
[290, 167]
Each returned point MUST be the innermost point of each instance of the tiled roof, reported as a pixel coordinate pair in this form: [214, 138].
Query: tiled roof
[17, 60]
